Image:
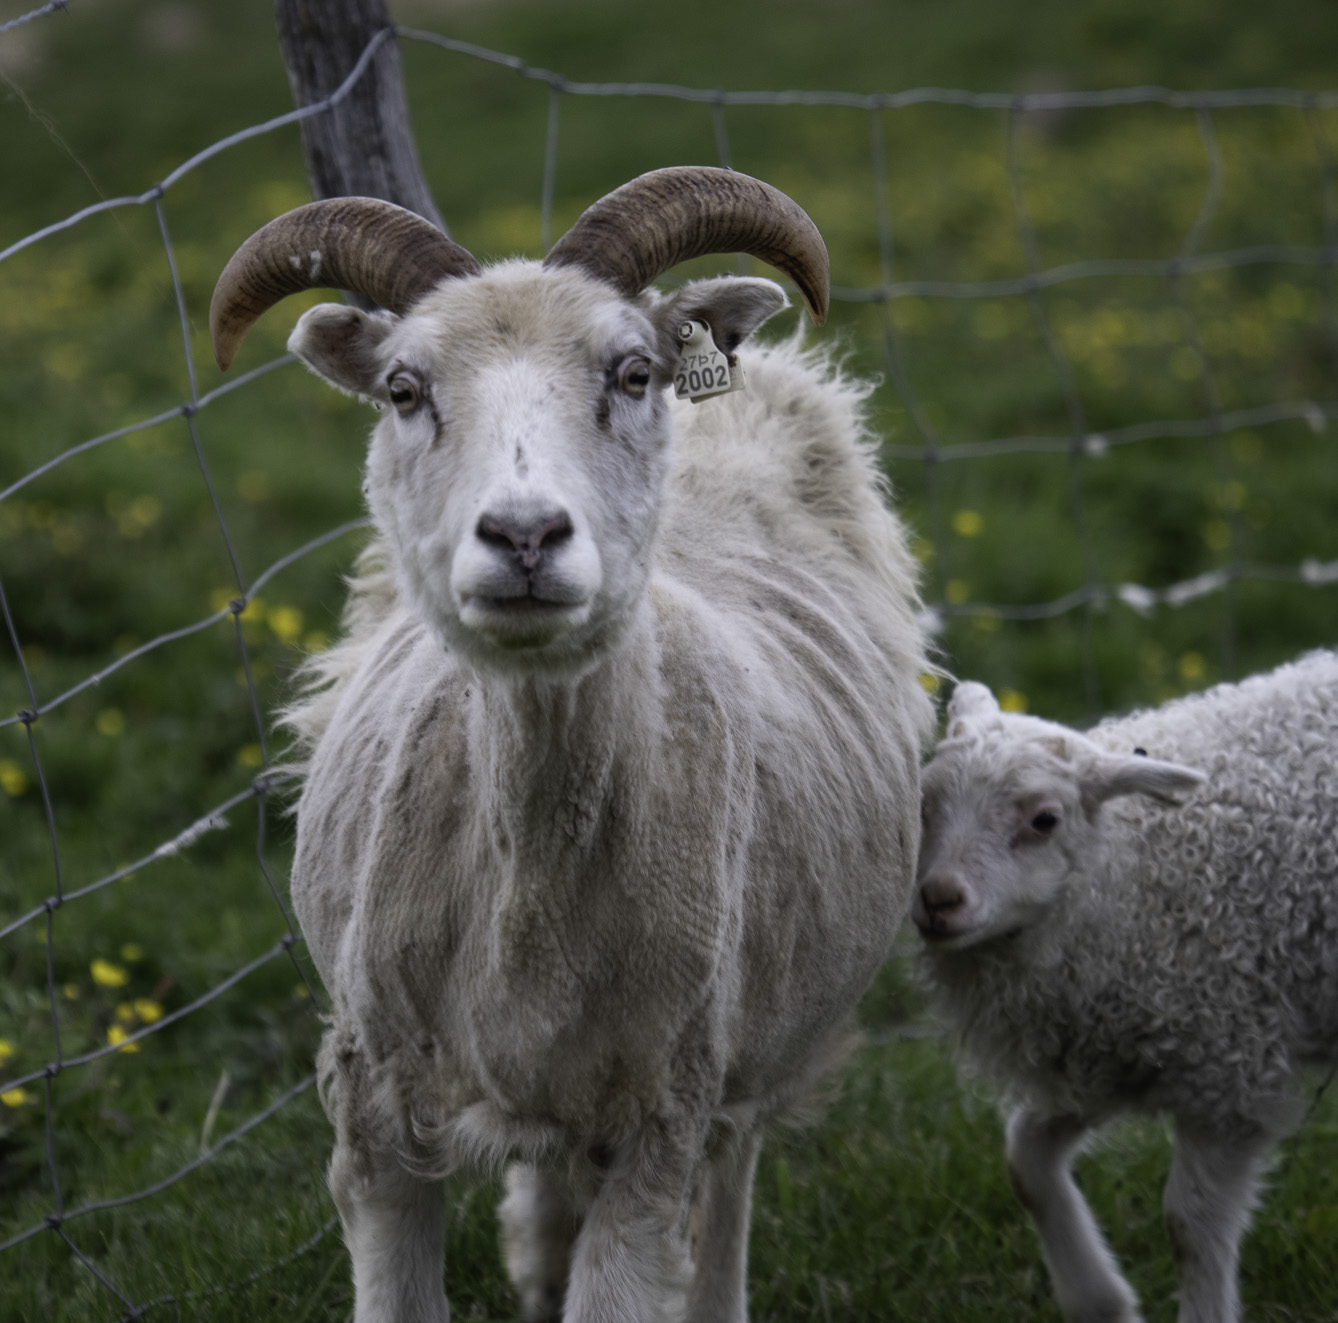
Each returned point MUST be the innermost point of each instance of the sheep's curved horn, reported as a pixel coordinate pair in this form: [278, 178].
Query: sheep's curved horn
[374, 248]
[640, 230]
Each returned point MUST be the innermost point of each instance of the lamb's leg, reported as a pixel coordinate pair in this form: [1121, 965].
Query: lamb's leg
[1087, 1283]
[394, 1226]
[1207, 1204]
[539, 1225]
[720, 1236]
[630, 1263]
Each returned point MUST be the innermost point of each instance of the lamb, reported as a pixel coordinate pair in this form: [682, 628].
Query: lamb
[1103, 947]
[610, 811]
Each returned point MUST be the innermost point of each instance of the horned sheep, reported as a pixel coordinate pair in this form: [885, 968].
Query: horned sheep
[611, 804]
[1104, 948]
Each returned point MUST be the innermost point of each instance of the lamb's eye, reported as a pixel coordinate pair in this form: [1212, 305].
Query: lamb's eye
[403, 390]
[634, 376]
[1044, 822]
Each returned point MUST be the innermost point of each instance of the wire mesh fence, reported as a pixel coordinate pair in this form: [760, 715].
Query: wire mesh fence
[1024, 532]
[40, 12]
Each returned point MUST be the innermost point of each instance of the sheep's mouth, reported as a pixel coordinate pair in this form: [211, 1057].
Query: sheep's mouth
[933, 933]
[942, 936]
[523, 606]
[522, 621]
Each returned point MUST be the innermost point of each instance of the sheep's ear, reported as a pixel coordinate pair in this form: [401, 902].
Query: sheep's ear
[970, 701]
[339, 343]
[1111, 775]
[732, 306]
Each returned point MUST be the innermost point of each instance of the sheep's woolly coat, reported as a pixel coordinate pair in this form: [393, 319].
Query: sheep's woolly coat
[663, 914]
[1193, 967]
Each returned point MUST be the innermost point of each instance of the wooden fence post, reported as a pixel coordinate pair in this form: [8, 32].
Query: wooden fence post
[364, 146]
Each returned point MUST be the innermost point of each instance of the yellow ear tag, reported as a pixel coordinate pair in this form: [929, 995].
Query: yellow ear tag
[702, 370]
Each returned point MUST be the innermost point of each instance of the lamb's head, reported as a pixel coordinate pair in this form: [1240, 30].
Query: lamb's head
[1012, 818]
[517, 469]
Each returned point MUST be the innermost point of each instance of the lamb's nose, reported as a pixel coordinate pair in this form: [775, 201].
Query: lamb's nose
[526, 536]
[941, 898]
[942, 895]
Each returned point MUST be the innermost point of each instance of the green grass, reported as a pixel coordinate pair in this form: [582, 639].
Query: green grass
[896, 1205]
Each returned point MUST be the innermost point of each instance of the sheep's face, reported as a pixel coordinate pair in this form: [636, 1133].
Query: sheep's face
[516, 474]
[1012, 819]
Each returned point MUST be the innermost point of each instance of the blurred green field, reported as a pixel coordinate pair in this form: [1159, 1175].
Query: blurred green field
[897, 1205]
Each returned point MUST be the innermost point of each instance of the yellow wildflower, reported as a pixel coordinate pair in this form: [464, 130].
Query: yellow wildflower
[148, 1010]
[286, 622]
[131, 952]
[6, 1050]
[12, 779]
[15, 1097]
[111, 722]
[107, 975]
[968, 523]
[116, 1035]
[1192, 666]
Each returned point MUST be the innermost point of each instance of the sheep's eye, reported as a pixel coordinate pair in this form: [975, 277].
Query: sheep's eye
[403, 390]
[1044, 822]
[634, 376]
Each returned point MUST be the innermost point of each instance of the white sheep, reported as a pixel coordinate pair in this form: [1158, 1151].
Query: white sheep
[1103, 948]
[611, 807]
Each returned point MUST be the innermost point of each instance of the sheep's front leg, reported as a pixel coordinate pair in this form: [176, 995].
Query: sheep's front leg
[394, 1226]
[720, 1234]
[630, 1263]
[1087, 1283]
[539, 1224]
[1207, 1204]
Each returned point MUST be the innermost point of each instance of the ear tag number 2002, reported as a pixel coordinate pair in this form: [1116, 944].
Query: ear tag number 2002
[702, 370]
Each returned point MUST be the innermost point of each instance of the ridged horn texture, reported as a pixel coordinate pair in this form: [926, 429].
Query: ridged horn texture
[640, 230]
[374, 248]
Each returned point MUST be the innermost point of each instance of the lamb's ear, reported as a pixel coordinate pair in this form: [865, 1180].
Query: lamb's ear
[1110, 775]
[732, 306]
[339, 343]
[970, 702]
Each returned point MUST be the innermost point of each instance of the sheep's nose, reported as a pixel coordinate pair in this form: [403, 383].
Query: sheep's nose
[941, 899]
[526, 536]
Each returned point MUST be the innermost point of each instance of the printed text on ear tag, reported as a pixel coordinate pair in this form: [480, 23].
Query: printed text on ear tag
[702, 370]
